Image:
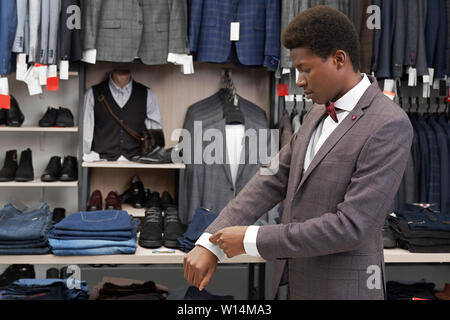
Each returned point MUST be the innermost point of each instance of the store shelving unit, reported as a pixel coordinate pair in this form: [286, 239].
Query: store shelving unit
[130, 164]
[37, 129]
[37, 183]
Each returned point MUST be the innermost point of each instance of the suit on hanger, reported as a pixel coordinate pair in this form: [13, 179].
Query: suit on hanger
[70, 45]
[388, 13]
[8, 21]
[259, 35]
[434, 188]
[441, 46]
[366, 39]
[22, 13]
[331, 232]
[122, 31]
[34, 13]
[424, 177]
[53, 32]
[45, 25]
[444, 170]
[398, 45]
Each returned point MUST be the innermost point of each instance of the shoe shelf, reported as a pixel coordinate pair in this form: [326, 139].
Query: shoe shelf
[37, 129]
[130, 164]
[38, 183]
[141, 256]
[148, 256]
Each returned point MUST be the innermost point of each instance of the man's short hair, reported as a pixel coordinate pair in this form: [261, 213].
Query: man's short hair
[323, 30]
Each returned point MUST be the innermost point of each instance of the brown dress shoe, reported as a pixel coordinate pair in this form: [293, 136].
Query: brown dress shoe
[445, 294]
[112, 201]
[96, 201]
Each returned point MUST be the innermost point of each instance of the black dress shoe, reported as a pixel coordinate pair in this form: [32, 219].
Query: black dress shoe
[53, 170]
[126, 196]
[151, 232]
[3, 117]
[173, 229]
[15, 272]
[49, 118]
[58, 215]
[64, 118]
[52, 273]
[25, 172]
[14, 117]
[69, 171]
[137, 193]
[8, 173]
[154, 201]
[167, 201]
[158, 155]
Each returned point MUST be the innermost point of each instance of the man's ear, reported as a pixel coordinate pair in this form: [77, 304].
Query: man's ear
[340, 59]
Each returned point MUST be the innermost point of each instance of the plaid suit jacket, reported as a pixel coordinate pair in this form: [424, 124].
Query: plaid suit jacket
[259, 39]
[330, 236]
[146, 29]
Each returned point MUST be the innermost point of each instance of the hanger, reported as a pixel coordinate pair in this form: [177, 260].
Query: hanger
[231, 111]
[304, 111]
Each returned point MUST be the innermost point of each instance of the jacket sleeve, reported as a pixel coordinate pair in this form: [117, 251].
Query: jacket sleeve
[369, 196]
[266, 189]
[195, 21]
[178, 42]
[91, 19]
[272, 41]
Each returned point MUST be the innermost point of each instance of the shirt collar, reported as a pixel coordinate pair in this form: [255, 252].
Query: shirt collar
[349, 100]
[114, 87]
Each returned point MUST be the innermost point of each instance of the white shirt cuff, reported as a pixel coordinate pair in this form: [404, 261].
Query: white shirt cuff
[204, 242]
[250, 241]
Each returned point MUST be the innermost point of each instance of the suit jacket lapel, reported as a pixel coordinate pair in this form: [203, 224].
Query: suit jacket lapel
[342, 129]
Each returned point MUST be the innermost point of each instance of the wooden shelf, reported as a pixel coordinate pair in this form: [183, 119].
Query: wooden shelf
[142, 256]
[37, 129]
[147, 256]
[38, 183]
[130, 164]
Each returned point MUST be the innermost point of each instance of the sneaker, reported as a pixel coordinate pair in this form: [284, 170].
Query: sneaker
[64, 118]
[173, 229]
[151, 232]
[49, 118]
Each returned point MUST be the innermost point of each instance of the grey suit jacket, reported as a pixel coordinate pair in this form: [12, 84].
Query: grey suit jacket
[22, 13]
[330, 236]
[34, 14]
[122, 31]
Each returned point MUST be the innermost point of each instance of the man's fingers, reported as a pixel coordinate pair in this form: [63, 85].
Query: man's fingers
[206, 279]
[215, 238]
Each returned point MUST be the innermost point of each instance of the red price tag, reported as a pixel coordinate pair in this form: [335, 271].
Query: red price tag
[5, 102]
[53, 84]
[282, 90]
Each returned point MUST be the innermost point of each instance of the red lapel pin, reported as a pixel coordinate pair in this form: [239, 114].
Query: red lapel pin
[354, 117]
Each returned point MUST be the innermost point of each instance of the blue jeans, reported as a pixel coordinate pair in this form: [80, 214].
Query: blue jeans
[25, 287]
[201, 220]
[427, 217]
[107, 220]
[27, 225]
[95, 251]
[25, 251]
[89, 244]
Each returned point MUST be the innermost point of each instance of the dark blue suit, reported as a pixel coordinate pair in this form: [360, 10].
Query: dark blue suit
[435, 181]
[8, 22]
[441, 137]
[446, 128]
[416, 158]
[259, 36]
[424, 161]
[441, 46]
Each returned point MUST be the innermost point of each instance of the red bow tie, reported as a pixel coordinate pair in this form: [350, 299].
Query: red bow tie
[331, 110]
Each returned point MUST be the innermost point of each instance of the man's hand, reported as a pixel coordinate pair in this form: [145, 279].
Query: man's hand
[230, 240]
[198, 262]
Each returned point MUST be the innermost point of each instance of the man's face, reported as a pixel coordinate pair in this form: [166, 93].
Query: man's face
[316, 75]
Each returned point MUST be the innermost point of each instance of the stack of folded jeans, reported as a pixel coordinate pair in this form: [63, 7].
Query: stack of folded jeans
[94, 233]
[24, 230]
[201, 220]
[46, 289]
[421, 228]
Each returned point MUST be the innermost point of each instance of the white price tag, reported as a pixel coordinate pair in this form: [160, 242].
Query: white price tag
[89, 56]
[436, 84]
[4, 88]
[52, 71]
[412, 77]
[234, 31]
[64, 70]
[286, 70]
[289, 98]
[42, 72]
[431, 75]
[426, 90]
[21, 66]
[32, 81]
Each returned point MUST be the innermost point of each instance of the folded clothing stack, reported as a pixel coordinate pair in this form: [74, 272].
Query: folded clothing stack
[23, 230]
[408, 290]
[201, 220]
[94, 233]
[421, 228]
[45, 289]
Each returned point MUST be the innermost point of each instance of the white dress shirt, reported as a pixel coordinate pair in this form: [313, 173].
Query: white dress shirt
[324, 129]
[121, 97]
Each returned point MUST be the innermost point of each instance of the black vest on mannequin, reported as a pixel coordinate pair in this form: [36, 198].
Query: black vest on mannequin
[110, 140]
